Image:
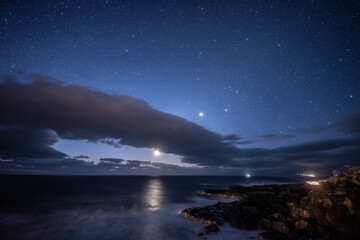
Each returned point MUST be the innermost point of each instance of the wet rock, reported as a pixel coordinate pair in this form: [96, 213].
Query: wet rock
[320, 229]
[201, 214]
[302, 225]
[241, 216]
[292, 211]
[211, 228]
[291, 235]
[276, 217]
[290, 224]
[264, 223]
[263, 236]
[279, 227]
[222, 193]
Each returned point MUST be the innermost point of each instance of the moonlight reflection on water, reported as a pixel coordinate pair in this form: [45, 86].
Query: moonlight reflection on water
[154, 193]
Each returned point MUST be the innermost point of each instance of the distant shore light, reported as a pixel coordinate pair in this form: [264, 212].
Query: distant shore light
[313, 183]
[248, 175]
[306, 175]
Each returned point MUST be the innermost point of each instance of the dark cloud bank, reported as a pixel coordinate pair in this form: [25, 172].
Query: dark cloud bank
[36, 112]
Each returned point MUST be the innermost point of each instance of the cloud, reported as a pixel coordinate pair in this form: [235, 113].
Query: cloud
[18, 142]
[82, 156]
[104, 167]
[76, 112]
[35, 112]
[350, 124]
[276, 136]
[112, 160]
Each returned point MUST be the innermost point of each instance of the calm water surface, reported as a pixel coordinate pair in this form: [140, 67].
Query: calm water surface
[110, 207]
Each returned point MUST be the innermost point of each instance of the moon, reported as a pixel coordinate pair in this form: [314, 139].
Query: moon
[201, 114]
[156, 153]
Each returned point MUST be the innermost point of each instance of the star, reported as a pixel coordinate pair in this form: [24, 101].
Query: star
[201, 114]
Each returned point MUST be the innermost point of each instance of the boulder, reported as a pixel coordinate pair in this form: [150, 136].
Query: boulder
[264, 223]
[297, 212]
[290, 224]
[279, 227]
[276, 217]
[302, 225]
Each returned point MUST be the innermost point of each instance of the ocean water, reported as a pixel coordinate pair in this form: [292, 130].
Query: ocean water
[111, 207]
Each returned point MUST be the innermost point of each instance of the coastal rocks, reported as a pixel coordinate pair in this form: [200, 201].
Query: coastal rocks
[211, 228]
[302, 225]
[276, 217]
[279, 227]
[297, 212]
[335, 203]
[201, 214]
[264, 224]
[241, 216]
[222, 193]
[330, 210]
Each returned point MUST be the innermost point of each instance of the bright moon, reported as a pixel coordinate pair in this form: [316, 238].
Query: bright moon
[157, 153]
[201, 114]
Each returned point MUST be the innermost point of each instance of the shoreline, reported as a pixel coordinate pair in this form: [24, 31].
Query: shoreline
[329, 210]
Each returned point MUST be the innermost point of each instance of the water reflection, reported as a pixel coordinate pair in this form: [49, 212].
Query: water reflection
[154, 193]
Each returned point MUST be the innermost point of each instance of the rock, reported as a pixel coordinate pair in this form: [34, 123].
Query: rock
[264, 223]
[302, 225]
[290, 224]
[211, 228]
[291, 235]
[201, 214]
[335, 204]
[241, 216]
[330, 210]
[263, 236]
[222, 193]
[297, 213]
[276, 217]
[280, 227]
[320, 229]
[285, 193]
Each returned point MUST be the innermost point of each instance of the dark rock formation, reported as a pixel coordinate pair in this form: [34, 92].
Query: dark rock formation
[211, 228]
[336, 203]
[330, 210]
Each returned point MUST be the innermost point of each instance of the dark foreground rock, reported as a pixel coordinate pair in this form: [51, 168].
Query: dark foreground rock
[330, 210]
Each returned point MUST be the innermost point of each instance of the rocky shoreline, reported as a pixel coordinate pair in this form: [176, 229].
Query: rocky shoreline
[330, 210]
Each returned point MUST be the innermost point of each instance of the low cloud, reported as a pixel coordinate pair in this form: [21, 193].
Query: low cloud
[112, 160]
[19, 142]
[81, 157]
[36, 112]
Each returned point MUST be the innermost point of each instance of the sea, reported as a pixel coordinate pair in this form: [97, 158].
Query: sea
[112, 207]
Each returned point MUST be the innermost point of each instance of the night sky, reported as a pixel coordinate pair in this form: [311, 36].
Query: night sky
[179, 87]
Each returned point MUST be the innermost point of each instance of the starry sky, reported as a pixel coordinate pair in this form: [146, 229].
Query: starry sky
[267, 87]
